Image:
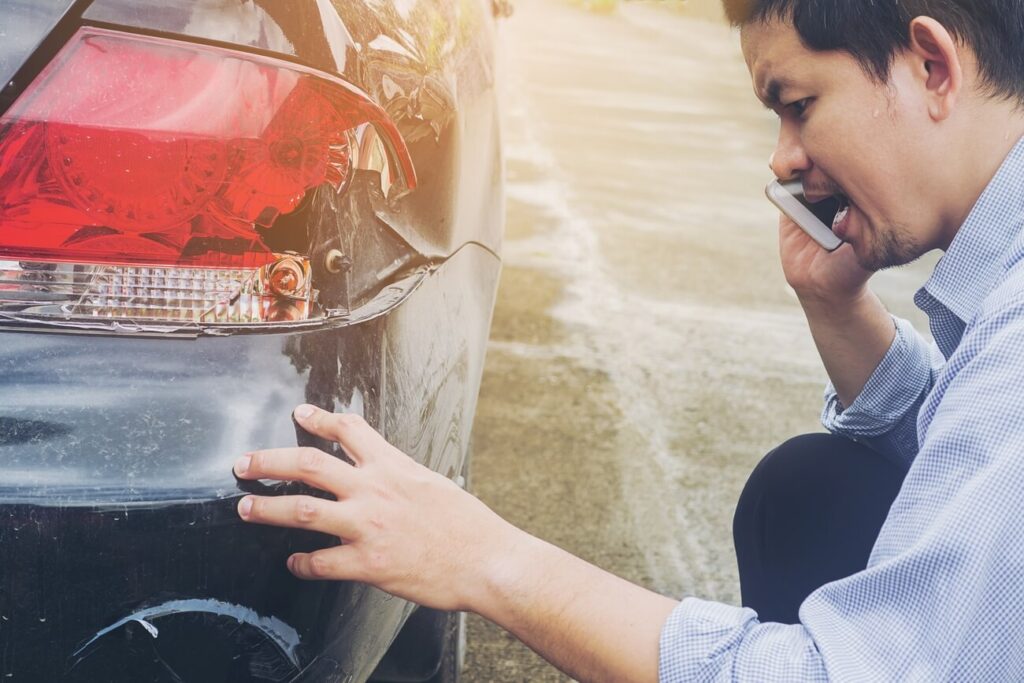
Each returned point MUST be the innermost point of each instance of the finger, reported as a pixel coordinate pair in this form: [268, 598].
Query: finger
[338, 563]
[309, 465]
[298, 512]
[359, 439]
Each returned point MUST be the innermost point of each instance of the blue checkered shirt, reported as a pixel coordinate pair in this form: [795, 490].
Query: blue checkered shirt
[942, 597]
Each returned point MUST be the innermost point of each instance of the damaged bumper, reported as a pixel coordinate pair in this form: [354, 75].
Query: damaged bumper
[124, 558]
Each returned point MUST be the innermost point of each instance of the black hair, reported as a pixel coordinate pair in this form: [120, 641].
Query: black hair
[874, 31]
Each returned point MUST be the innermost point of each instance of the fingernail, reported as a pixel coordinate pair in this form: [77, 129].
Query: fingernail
[245, 507]
[242, 464]
[291, 563]
[304, 411]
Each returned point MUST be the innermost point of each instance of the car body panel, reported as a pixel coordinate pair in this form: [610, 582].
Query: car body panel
[26, 24]
[117, 495]
[123, 556]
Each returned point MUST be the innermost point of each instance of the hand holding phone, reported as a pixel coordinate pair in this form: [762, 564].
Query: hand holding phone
[814, 219]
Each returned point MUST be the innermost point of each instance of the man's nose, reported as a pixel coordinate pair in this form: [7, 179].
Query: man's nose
[789, 158]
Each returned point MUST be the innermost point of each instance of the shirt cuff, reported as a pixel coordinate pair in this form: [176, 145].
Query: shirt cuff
[894, 388]
[696, 634]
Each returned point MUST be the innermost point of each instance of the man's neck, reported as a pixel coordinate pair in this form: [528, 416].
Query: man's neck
[989, 133]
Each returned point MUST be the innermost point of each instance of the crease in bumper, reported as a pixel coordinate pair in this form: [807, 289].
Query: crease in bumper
[277, 640]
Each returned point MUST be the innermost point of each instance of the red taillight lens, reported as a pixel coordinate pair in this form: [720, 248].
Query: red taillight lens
[138, 150]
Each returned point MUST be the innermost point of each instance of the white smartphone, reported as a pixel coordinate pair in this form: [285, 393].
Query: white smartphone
[814, 219]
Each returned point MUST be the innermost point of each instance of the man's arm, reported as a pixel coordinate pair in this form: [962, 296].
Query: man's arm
[881, 368]
[415, 534]
[850, 326]
[852, 337]
[589, 623]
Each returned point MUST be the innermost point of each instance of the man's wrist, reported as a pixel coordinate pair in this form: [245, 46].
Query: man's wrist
[509, 556]
[835, 305]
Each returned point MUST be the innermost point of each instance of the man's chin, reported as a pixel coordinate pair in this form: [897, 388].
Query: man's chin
[871, 261]
[892, 254]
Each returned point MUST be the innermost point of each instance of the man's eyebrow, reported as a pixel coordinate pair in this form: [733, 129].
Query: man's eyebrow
[772, 94]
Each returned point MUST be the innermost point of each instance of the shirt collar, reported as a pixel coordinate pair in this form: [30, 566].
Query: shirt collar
[975, 259]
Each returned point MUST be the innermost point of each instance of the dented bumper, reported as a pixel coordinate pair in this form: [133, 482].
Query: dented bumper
[123, 557]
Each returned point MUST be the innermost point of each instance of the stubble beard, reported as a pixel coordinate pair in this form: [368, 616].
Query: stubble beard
[890, 247]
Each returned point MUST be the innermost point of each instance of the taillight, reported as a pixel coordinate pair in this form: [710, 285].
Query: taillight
[143, 160]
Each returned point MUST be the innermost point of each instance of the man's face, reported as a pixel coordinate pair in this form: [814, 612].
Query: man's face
[845, 134]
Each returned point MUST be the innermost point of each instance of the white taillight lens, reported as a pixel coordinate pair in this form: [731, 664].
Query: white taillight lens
[276, 292]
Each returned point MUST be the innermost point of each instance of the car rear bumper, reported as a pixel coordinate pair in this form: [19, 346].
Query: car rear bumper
[123, 556]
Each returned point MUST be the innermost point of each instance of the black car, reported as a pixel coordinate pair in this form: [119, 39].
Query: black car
[210, 212]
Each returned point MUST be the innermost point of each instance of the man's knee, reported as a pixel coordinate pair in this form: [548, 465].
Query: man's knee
[811, 475]
[802, 468]
[809, 514]
[787, 468]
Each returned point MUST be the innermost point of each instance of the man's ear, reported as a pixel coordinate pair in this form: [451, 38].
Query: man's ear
[937, 64]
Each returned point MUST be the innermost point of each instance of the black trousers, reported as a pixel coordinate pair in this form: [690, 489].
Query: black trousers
[809, 514]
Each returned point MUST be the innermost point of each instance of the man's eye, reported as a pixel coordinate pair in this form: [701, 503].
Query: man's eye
[800, 106]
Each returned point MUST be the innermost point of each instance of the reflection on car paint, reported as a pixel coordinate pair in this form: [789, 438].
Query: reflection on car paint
[117, 440]
[27, 25]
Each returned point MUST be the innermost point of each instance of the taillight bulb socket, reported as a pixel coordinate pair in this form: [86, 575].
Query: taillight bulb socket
[287, 277]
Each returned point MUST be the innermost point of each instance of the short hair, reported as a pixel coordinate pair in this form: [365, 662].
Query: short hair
[874, 31]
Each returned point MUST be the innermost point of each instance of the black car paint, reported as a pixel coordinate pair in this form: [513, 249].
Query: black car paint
[117, 502]
[118, 496]
[25, 27]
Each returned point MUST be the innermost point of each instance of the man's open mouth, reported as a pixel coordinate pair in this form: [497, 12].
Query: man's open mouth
[842, 213]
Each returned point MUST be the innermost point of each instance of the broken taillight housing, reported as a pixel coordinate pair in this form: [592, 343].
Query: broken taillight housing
[139, 177]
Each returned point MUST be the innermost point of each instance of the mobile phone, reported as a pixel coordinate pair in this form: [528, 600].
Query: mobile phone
[814, 219]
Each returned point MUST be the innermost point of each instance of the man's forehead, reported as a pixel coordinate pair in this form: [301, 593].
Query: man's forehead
[774, 55]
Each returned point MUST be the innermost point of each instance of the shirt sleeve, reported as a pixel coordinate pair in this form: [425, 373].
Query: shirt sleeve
[884, 415]
[941, 597]
[708, 641]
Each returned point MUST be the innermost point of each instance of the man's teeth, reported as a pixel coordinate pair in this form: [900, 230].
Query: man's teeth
[840, 215]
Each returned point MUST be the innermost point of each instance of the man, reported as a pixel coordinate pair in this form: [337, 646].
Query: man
[912, 111]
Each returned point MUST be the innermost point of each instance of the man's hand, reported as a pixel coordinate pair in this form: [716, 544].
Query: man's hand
[415, 534]
[405, 528]
[816, 274]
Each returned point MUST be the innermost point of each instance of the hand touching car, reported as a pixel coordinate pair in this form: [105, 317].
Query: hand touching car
[417, 535]
[405, 528]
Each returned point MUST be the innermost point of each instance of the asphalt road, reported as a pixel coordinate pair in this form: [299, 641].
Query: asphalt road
[645, 349]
